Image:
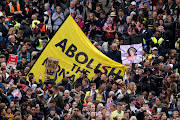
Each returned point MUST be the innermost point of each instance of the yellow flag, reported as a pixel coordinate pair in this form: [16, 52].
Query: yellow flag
[75, 53]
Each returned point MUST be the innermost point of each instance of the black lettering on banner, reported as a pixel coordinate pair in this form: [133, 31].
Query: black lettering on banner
[83, 54]
[78, 70]
[74, 65]
[87, 71]
[89, 63]
[112, 72]
[98, 66]
[62, 72]
[58, 69]
[72, 78]
[71, 50]
[45, 61]
[105, 69]
[62, 46]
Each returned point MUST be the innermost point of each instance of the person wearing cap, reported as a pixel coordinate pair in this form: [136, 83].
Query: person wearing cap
[26, 29]
[41, 43]
[155, 52]
[79, 21]
[8, 51]
[132, 8]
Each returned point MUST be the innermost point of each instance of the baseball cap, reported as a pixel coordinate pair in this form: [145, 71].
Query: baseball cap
[133, 3]
[23, 22]
[49, 9]
[46, 41]
[154, 48]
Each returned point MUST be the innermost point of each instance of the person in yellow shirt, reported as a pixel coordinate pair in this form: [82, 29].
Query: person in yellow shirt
[100, 94]
[96, 94]
[9, 114]
[117, 112]
[92, 93]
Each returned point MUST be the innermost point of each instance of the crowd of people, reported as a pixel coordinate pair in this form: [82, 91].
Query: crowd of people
[148, 90]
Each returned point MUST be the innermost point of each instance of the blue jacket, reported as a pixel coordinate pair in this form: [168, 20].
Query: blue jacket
[114, 55]
[13, 46]
[147, 34]
[20, 54]
[3, 88]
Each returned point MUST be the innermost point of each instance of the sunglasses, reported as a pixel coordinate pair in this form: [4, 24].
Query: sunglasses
[33, 109]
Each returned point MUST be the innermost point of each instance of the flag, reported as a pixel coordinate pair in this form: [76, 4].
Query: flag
[76, 53]
[109, 103]
[11, 83]
[17, 93]
[25, 89]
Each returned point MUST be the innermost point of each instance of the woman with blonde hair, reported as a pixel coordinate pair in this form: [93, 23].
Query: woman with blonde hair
[132, 88]
[90, 25]
[108, 28]
[12, 31]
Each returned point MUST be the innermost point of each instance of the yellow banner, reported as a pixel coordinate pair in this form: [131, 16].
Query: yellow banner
[75, 53]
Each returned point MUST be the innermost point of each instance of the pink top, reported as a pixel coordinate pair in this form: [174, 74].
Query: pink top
[81, 24]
